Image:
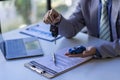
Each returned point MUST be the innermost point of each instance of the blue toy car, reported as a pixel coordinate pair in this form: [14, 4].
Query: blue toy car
[77, 50]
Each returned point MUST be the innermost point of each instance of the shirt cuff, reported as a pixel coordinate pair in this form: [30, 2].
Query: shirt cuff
[97, 55]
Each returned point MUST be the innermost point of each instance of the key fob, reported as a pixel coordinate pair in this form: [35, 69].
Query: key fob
[54, 30]
[77, 50]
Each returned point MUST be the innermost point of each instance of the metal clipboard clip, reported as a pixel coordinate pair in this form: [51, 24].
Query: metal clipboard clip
[39, 71]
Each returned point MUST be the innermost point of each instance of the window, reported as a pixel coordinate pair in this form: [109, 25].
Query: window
[65, 7]
[18, 13]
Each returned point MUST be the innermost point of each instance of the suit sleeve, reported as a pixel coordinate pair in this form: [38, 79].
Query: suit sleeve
[70, 27]
[109, 49]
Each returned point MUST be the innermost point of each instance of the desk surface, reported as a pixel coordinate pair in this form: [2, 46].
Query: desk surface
[105, 69]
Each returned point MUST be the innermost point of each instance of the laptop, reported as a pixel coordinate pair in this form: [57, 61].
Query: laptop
[20, 48]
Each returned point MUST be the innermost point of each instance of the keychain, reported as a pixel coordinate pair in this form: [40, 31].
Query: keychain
[54, 31]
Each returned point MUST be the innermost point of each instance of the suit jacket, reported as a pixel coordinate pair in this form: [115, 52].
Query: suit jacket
[86, 14]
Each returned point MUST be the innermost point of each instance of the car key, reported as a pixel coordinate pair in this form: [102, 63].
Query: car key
[54, 31]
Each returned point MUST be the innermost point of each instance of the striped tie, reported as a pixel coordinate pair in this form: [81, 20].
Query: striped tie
[104, 22]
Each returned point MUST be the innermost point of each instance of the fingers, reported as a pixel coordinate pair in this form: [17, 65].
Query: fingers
[53, 14]
[57, 19]
[86, 53]
[51, 17]
[82, 55]
[47, 19]
[74, 55]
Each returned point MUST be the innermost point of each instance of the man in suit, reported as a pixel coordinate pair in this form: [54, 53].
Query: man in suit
[102, 18]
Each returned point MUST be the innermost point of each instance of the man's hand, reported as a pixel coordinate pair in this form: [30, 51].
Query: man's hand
[90, 51]
[52, 17]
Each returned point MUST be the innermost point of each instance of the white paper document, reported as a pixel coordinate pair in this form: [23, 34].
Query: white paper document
[63, 63]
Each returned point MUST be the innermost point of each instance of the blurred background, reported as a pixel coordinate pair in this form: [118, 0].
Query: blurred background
[16, 14]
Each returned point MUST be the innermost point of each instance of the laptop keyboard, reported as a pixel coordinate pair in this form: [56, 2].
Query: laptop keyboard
[15, 48]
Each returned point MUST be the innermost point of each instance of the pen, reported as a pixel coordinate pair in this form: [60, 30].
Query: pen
[54, 58]
[55, 40]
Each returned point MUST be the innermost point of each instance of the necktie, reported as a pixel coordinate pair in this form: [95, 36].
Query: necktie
[104, 22]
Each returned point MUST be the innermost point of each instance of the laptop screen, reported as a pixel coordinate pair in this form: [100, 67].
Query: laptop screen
[1, 40]
[1, 37]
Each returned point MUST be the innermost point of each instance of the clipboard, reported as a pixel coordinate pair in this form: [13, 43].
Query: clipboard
[46, 67]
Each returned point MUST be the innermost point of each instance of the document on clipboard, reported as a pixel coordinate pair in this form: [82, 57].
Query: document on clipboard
[46, 67]
[39, 30]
